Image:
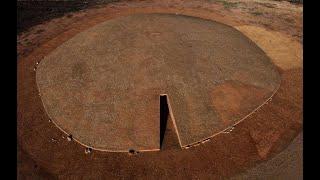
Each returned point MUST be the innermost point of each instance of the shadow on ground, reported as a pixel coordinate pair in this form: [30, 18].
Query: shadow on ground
[31, 13]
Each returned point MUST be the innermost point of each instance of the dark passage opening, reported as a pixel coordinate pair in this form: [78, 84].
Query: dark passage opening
[164, 112]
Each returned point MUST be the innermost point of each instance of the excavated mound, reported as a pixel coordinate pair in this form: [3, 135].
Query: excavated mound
[103, 86]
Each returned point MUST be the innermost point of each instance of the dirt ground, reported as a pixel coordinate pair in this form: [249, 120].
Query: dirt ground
[275, 26]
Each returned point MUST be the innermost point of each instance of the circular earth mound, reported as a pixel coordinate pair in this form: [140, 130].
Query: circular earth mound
[103, 86]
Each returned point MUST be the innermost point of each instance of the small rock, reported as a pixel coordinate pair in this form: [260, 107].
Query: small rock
[69, 138]
[204, 141]
[229, 130]
[50, 120]
[133, 152]
[88, 150]
[53, 140]
[196, 144]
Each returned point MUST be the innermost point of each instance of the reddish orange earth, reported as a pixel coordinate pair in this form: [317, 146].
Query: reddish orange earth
[44, 150]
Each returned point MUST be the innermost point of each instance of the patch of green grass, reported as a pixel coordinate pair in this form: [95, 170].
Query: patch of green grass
[257, 13]
[268, 5]
[289, 20]
[296, 1]
[227, 4]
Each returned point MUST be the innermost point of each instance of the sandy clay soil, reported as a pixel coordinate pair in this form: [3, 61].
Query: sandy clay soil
[267, 144]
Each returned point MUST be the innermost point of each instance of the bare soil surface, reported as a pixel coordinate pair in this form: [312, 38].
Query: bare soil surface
[286, 165]
[44, 151]
[103, 86]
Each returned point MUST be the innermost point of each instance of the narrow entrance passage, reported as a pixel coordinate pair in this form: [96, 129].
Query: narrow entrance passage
[169, 139]
[164, 112]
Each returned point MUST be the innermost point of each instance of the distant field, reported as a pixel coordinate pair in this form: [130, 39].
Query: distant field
[30, 13]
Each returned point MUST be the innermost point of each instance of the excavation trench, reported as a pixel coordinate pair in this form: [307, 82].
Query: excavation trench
[164, 113]
[168, 128]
